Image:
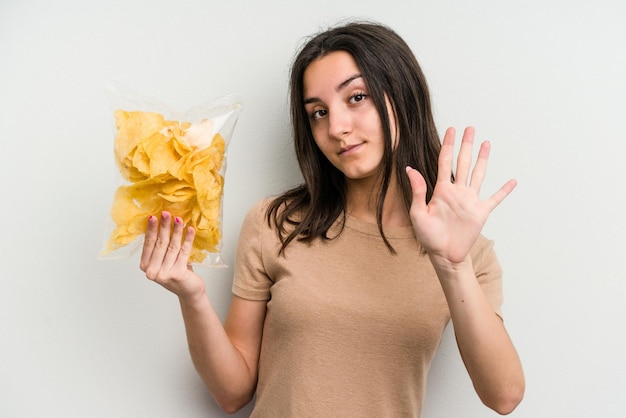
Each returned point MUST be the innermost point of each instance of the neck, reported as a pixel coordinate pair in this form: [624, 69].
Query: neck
[362, 201]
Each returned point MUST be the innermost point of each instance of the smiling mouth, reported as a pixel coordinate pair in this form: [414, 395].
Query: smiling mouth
[347, 149]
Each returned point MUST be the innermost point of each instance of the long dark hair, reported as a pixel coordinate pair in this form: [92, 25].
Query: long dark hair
[389, 69]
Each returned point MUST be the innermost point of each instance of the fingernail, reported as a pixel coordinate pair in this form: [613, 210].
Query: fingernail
[177, 220]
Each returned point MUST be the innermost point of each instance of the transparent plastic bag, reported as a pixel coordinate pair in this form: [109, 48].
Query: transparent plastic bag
[169, 161]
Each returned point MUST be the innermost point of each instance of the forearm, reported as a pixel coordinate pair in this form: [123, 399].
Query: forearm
[218, 362]
[229, 376]
[487, 351]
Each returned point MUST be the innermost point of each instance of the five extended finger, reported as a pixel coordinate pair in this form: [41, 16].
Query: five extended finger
[419, 188]
[446, 156]
[464, 161]
[501, 194]
[480, 169]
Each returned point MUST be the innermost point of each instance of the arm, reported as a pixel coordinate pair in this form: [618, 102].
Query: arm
[447, 228]
[486, 349]
[225, 356]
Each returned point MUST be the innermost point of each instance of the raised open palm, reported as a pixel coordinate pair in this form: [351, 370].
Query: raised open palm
[451, 222]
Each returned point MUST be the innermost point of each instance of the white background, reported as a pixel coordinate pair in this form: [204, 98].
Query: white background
[544, 81]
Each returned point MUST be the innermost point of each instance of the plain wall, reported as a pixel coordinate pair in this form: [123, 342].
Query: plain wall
[544, 81]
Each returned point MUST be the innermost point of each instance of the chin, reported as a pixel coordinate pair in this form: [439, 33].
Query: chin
[359, 176]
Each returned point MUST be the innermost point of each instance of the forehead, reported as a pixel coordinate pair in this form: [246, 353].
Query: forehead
[326, 74]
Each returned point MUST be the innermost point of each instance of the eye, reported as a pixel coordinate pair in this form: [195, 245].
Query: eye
[357, 97]
[318, 114]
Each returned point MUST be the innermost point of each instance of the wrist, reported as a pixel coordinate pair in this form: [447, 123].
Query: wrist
[448, 270]
[193, 297]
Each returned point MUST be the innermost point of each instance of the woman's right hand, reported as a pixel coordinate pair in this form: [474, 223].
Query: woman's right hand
[165, 257]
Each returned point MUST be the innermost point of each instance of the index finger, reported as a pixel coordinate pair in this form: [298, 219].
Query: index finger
[187, 246]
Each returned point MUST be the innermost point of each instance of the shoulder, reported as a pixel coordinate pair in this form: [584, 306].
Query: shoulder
[256, 215]
[267, 205]
[259, 208]
[256, 236]
[264, 214]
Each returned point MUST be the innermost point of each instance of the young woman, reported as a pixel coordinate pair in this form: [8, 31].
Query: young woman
[343, 286]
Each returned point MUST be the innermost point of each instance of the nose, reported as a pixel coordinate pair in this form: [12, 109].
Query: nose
[339, 122]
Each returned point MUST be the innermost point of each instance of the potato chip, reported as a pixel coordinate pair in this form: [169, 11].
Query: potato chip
[167, 171]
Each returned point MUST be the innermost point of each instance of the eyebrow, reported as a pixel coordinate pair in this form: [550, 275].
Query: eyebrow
[339, 87]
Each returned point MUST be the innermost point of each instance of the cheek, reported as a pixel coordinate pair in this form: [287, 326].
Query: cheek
[324, 150]
[316, 143]
[319, 140]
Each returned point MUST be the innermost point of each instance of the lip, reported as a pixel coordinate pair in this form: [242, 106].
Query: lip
[350, 149]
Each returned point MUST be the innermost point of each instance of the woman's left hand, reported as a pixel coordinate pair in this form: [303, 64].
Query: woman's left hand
[450, 223]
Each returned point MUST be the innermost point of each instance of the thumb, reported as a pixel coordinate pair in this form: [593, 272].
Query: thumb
[418, 186]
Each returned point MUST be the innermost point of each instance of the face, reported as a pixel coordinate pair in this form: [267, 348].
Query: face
[343, 118]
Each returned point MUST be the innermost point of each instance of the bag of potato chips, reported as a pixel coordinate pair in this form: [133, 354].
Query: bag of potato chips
[169, 161]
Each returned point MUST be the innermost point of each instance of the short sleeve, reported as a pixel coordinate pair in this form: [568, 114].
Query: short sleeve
[488, 272]
[250, 277]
